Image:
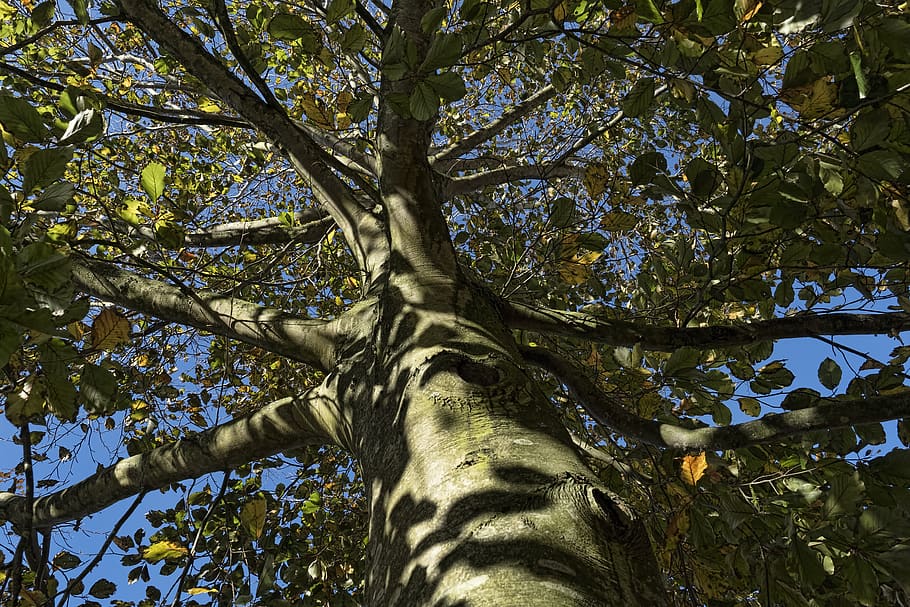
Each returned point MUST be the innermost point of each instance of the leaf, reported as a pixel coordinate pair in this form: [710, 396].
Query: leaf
[597, 176]
[423, 102]
[829, 373]
[98, 388]
[65, 560]
[22, 120]
[448, 85]
[80, 9]
[639, 99]
[861, 577]
[749, 406]
[693, 468]
[109, 330]
[152, 180]
[432, 19]
[337, 10]
[164, 550]
[45, 167]
[102, 589]
[444, 51]
[55, 197]
[618, 221]
[648, 11]
[883, 165]
[844, 494]
[316, 112]
[808, 563]
[252, 516]
[681, 360]
[562, 212]
[86, 126]
[293, 28]
[869, 130]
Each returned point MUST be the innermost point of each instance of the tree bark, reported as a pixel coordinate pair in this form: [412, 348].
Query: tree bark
[477, 495]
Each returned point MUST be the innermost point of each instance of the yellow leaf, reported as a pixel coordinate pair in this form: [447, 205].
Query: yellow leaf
[164, 550]
[252, 516]
[596, 178]
[109, 330]
[351, 282]
[747, 8]
[812, 100]
[316, 111]
[199, 590]
[559, 13]
[208, 106]
[768, 55]
[618, 221]
[693, 468]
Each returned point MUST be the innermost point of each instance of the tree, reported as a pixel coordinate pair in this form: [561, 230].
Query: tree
[483, 279]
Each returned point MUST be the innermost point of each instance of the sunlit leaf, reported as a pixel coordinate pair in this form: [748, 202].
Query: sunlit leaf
[152, 180]
[164, 550]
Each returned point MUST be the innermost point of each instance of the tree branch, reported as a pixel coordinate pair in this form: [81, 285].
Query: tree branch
[773, 427]
[307, 340]
[309, 226]
[507, 118]
[312, 419]
[507, 174]
[628, 333]
[312, 163]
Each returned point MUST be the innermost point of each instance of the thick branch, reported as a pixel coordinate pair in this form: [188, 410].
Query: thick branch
[306, 340]
[314, 164]
[508, 117]
[309, 227]
[771, 428]
[627, 333]
[508, 174]
[289, 423]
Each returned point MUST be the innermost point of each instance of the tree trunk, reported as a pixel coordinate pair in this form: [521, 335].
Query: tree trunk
[477, 495]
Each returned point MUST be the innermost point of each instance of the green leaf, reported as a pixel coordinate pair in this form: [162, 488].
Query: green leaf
[869, 129]
[856, 62]
[681, 360]
[448, 85]
[639, 99]
[80, 8]
[808, 563]
[102, 589]
[99, 389]
[432, 19]
[164, 550]
[21, 119]
[444, 51]
[337, 10]
[423, 102]
[55, 197]
[65, 560]
[10, 336]
[881, 165]
[43, 14]
[829, 373]
[87, 125]
[44, 167]
[861, 578]
[646, 167]
[152, 180]
[292, 28]
[562, 212]
[648, 11]
[843, 496]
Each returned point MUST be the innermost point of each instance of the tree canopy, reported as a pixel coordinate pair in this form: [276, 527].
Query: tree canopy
[207, 207]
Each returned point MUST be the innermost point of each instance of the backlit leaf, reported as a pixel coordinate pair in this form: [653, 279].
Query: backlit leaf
[692, 468]
[152, 180]
[109, 330]
[252, 516]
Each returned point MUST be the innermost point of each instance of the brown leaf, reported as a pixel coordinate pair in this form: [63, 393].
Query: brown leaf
[693, 468]
[109, 330]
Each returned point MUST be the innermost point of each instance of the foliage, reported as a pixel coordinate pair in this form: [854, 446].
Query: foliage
[676, 164]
